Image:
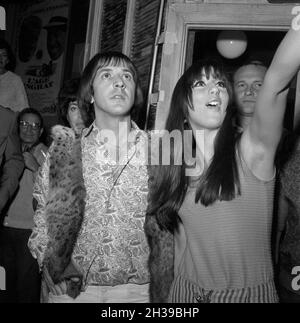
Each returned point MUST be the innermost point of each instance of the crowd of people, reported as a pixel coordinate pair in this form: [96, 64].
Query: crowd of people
[92, 219]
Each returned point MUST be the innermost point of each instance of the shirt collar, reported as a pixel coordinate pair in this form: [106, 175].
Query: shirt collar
[95, 130]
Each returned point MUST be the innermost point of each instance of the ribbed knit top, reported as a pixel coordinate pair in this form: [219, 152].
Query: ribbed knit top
[229, 243]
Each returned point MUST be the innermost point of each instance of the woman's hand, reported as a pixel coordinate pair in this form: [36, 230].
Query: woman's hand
[58, 289]
[30, 161]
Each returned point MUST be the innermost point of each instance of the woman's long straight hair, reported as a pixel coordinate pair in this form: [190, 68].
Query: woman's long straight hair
[220, 181]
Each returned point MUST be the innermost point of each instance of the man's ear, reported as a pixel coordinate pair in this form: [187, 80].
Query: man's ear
[41, 131]
[92, 100]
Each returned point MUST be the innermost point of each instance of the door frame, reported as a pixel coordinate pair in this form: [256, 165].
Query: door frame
[182, 17]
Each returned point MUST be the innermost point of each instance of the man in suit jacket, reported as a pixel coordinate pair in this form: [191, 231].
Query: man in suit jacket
[11, 168]
[11, 159]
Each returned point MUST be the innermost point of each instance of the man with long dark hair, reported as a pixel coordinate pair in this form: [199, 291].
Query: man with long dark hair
[92, 195]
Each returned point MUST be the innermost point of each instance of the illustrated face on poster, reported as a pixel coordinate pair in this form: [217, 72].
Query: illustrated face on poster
[41, 48]
[28, 38]
[56, 36]
[31, 47]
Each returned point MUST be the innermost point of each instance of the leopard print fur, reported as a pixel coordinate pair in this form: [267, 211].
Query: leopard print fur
[65, 207]
[161, 260]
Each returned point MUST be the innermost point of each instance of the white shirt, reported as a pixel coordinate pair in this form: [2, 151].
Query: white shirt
[12, 92]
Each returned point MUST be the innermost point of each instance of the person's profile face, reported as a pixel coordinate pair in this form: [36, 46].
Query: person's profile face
[74, 117]
[55, 41]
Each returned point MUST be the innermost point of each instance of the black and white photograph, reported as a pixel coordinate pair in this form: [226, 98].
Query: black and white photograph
[149, 155]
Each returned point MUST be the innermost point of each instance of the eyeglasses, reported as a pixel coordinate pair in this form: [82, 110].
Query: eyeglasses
[25, 124]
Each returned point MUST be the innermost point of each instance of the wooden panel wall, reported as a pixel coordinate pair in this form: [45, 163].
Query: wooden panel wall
[143, 43]
[143, 38]
[114, 15]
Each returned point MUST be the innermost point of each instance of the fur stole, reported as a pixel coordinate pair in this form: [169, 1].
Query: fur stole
[65, 207]
[161, 259]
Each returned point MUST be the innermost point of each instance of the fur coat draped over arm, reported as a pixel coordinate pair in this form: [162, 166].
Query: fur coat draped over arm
[161, 259]
[60, 209]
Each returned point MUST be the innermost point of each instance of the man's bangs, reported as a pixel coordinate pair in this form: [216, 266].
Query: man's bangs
[118, 61]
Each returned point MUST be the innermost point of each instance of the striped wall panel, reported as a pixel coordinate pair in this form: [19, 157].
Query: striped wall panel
[114, 14]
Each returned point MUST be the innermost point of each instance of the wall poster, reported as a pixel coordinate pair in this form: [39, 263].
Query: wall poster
[41, 45]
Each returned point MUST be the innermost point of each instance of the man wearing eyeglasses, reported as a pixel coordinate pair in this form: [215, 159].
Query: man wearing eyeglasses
[22, 272]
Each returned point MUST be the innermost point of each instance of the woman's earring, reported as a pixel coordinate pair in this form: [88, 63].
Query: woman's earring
[186, 124]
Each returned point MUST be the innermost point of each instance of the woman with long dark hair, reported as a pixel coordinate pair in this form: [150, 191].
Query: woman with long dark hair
[220, 214]
[92, 195]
